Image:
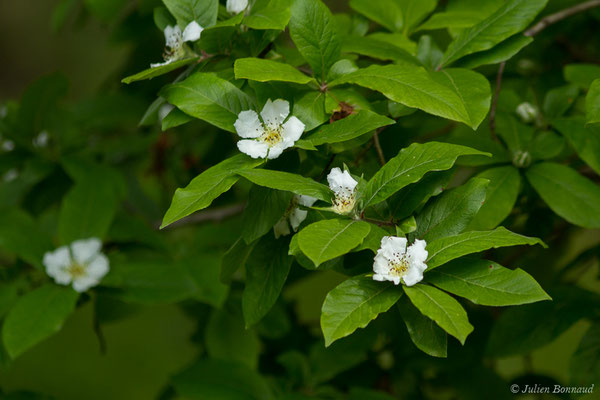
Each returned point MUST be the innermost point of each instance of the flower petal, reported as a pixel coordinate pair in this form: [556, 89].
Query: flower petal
[275, 112]
[83, 283]
[306, 201]
[253, 148]
[236, 6]
[292, 130]
[417, 252]
[412, 276]
[381, 264]
[86, 249]
[192, 32]
[380, 278]
[98, 267]
[281, 228]
[173, 36]
[297, 216]
[393, 247]
[57, 263]
[341, 182]
[248, 125]
[276, 150]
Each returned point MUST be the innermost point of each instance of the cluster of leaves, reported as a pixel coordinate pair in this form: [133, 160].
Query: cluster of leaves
[369, 84]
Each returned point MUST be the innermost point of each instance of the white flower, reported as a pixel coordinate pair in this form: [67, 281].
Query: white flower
[294, 216]
[394, 261]
[343, 186]
[236, 6]
[81, 263]
[527, 112]
[41, 140]
[269, 137]
[174, 48]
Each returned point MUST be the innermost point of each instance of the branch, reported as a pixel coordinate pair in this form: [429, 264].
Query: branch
[378, 146]
[214, 215]
[495, 101]
[559, 16]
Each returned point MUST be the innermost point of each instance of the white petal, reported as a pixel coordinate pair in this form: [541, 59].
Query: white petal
[276, 150]
[154, 65]
[192, 32]
[396, 280]
[275, 112]
[236, 6]
[83, 283]
[281, 228]
[86, 249]
[173, 36]
[97, 267]
[379, 278]
[253, 148]
[341, 182]
[380, 264]
[412, 276]
[417, 252]
[306, 201]
[292, 130]
[393, 247]
[57, 264]
[297, 216]
[248, 125]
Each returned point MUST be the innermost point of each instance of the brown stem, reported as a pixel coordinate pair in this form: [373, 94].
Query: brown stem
[495, 101]
[378, 147]
[324, 172]
[378, 222]
[559, 16]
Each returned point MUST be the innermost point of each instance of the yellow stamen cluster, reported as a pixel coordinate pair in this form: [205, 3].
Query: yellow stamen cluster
[76, 270]
[271, 136]
[343, 204]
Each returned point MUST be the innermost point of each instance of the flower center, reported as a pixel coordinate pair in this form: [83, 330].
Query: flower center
[271, 136]
[174, 52]
[76, 270]
[344, 203]
[399, 266]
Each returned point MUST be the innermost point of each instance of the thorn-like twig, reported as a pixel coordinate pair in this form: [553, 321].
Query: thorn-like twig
[559, 16]
[378, 147]
[495, 101]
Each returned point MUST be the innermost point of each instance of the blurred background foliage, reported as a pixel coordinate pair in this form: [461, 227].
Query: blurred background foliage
[60, 73]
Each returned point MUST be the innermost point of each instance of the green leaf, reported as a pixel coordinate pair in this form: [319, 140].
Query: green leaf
[410, 165]
[472, 88]
[349, 128]
[309, 107]
[288, 182]
[450, 19]
[158, 71]
[353, 304]
[546, 145]
[234, 259]
[206, 187]
[450, 213]
[517, 135]
[258, 69]
[584, 139]
[331, 238]
[502, 52]
[568, 194]
[217, 379]
[500, 197]
[314, 32]
[592, 103]
[584, 366]
[519, 330]
[487, 283]
[267, 269]
[37, 315]
[386, 13]
[414, 87]
[268, 14]
[175, 118]
[209, 98]
[559, 100]
[21, 235]
[582, 75]
[264, 208]
[204, 12]
[442, 308]
[414, 11]
[371, 47]
[511, 18]
[443, 250]
[87, 210]
[227, 339]
[409, 199]
[423, 331]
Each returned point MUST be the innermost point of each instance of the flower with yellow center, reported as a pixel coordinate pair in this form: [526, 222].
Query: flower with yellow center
[175, 48]
[293, 216]
[395, 262]
[81, 263]
[267, 138]
[343, 186]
